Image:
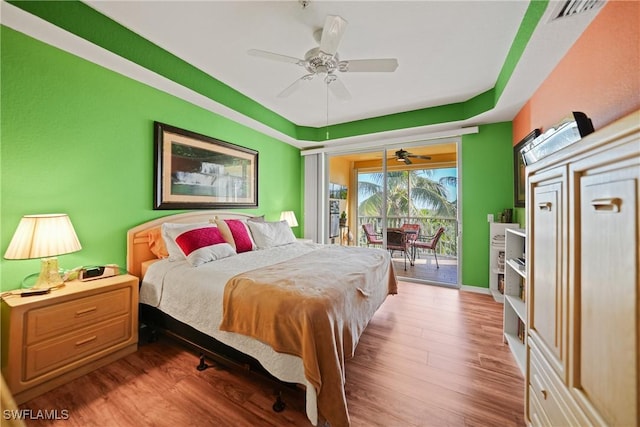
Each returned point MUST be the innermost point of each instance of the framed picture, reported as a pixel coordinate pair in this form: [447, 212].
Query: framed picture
[519, 176]
[194, 171]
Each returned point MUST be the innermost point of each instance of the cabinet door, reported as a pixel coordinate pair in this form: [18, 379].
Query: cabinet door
[605, 361]
[547, 267]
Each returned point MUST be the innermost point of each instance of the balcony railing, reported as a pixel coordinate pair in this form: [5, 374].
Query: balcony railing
[448, 244]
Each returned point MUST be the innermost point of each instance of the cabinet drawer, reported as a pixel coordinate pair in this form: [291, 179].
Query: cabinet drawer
[537, 416]
[49, 355]
[542, 388]
[45, 322]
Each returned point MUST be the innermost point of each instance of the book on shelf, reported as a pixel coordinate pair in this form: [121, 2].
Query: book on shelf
[521, 331]
[501, 283]
[498, 241]
[523, 290]
[501, 260]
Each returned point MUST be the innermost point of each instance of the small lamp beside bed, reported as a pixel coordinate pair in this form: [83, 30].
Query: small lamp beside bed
[290, 217]
[44, 236]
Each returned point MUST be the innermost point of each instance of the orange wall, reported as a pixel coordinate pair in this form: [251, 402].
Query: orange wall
[600, 75]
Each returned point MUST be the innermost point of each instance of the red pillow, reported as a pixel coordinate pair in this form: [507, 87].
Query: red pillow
[198, 238]
[240, 234]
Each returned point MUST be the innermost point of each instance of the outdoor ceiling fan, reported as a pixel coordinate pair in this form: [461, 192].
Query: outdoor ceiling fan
[324, 61]
[404, 156]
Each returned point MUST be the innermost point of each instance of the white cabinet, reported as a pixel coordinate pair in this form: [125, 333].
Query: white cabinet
[515, 309]
[497, 259]
[583, 281]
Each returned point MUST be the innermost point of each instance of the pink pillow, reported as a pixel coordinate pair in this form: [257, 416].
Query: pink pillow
[240, 233]
[197, 238]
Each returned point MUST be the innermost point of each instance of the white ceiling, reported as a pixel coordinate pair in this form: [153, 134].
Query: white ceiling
[448, 51]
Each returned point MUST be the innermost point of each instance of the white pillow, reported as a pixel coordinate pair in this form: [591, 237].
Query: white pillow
[271, 234]
[210, 253]
[171, 230]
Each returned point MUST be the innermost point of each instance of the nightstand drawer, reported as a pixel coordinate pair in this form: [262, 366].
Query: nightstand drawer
[76, 314]
[49, 355]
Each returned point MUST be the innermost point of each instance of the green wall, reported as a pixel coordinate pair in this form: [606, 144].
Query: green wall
[487, 187]
[80, 19]
[78, 138]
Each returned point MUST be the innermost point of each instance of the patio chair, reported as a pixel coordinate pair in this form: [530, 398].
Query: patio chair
[373, 238]
[397, 241]
[412, 231]
[428, 242]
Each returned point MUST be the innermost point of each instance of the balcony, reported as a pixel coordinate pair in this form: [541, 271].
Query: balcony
[424, 268]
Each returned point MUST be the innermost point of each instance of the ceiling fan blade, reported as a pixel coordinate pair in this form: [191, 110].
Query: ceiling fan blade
[383, 65]
[294, 86]
[338, 89]
[332, 32]
[415, 156]
[407, 161]
[275, 56]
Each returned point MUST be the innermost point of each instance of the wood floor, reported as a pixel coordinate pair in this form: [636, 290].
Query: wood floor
[431, 356]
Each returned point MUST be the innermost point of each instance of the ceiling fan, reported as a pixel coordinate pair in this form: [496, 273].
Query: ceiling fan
[404, 156]
[324, 61]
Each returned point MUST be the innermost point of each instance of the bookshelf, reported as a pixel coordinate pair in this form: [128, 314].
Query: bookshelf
[497, 258]
[515, 309]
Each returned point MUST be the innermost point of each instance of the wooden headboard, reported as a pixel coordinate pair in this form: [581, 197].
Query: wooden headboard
[138, 237]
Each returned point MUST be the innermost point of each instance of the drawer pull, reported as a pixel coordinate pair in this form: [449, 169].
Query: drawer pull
[86, 340]
[544, 206]
[540, 387]
[611, 204]
[85, 311]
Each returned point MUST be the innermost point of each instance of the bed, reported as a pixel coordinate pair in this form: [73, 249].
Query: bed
[250, 286]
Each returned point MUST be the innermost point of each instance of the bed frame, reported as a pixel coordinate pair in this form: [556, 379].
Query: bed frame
[154, 321]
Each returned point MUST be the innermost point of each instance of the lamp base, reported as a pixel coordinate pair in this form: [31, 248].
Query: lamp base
[49, 274]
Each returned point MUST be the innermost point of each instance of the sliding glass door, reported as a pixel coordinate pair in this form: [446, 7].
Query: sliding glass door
[418, 197]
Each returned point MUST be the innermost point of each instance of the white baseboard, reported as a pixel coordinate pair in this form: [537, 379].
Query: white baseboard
[475, 289]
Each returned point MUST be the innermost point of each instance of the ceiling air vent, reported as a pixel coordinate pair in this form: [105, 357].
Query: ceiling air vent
[573, 7]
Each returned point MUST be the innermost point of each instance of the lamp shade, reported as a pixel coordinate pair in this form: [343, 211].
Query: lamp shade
[42, 236]
[290, 217]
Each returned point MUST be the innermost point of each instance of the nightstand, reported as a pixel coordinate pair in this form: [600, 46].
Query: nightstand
[51, 339]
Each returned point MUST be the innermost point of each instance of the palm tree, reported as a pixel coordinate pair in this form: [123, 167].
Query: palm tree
[405, 190]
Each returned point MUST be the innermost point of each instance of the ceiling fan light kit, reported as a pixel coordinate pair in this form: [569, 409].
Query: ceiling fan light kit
[404, 156]
[325, 61]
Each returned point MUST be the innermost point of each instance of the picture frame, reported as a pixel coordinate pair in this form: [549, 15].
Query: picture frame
[194, 171]
[519, 176]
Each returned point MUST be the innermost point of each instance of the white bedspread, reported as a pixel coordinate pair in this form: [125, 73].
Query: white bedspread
[193, 295]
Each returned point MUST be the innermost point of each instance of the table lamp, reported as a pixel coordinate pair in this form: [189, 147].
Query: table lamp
[44, 236]
[290, 217]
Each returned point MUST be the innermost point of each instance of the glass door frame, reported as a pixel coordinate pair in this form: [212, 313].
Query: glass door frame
[385, 152]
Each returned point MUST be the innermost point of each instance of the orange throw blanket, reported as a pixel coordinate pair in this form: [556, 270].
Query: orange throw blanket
[314, 306]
